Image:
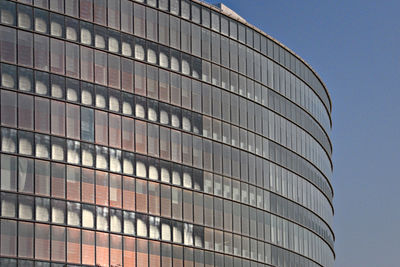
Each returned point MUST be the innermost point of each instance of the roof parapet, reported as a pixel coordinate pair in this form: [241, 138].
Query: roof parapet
[226, 10]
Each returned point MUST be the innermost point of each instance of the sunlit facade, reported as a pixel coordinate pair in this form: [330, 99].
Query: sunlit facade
[158, 133]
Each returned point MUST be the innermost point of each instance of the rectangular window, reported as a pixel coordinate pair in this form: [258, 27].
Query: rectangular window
[128, 193]
[151, 24]
[101, 188]
[115, 191]
[73, 183]
[185, 36]
[58, 243]
[113, 14]
[8, 44]
[139, 20]
[57, 117]
[141, 136]
[87, 61]
[140, 78]
[164, 85]
[87, 185]
[153, 140]
[152, 82]
[25, 240]
[126, 16]
[9, 108]
[175, 31]
[163, 30]
[128, 134]
[87, 246]
[73, 121]
[42, 240]
[57, 63]
[115, 130]
[154, 198]
[129, 251]
[100, 67]
[25, 112]
[41, 52]
[25, 48]
[176, 146]
[141, 195]
[102, 249]
[101, 127]
[114, 71]
[72, 61]
[42, 120]
[127, 75]
[58, 180]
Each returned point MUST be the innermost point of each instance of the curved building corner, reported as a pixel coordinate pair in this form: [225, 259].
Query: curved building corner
[158, 133]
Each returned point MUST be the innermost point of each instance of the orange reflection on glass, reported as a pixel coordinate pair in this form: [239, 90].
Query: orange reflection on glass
[116, 250]
[154, 253]
[42, 242]
[87, 247]
[141, 195]
[58, 243]
[102, 251]
[129, 193]
[73, 183]
[58, 180]
[142, 253]
[101, 188]
[115, 191]
[129, 251]
[87, 185]
[73, 245]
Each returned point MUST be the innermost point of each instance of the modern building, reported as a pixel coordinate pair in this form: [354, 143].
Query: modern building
[158, 133]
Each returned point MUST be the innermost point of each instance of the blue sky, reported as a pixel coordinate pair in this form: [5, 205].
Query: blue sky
[355, 47]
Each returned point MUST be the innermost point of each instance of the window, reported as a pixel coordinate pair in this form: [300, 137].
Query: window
[57, 118]
[101, 127]
[87, 61]
[126, 16]
[151, 24]
[139, 20]
[140, 78]
[174, 32]
[127, 75]
[141, 136]
[42, 121]
[114, 71]
[163, 28]
[25, 49]
[8, 108]
[8, 44]
[41, 52]
[113, 14]
[86, 9]
[73, 121]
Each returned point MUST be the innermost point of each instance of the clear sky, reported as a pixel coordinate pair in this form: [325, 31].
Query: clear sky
[354, 45]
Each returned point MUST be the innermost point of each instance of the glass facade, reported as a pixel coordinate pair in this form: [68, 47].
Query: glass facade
[158, 133]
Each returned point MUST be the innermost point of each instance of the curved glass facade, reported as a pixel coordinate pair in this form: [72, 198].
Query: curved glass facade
[158, 133]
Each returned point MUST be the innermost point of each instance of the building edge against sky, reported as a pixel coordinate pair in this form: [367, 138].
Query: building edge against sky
[158, 133]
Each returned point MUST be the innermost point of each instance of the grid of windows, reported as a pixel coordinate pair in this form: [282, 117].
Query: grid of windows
[132, 134]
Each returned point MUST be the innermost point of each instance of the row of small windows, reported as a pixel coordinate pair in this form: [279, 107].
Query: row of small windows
[214, 102]
[121, 74]
[69, 182]
[260, 226]
[104, 38]
[76, 246]
[130, 164]
[118, 15]
[97, 126]
[190, 98]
